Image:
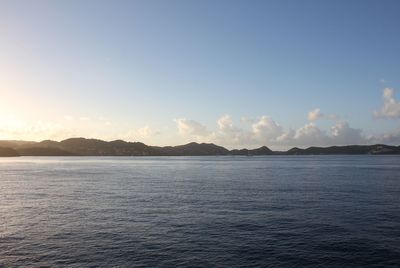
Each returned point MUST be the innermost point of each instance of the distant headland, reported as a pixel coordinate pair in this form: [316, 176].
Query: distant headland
[95, 147]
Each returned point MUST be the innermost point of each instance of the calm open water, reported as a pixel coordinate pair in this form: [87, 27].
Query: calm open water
[275, 211]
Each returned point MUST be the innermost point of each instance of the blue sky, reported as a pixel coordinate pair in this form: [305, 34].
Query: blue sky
[240, 73]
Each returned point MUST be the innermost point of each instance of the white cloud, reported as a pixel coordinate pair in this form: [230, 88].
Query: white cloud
[227, 133]
[307, 135]
[265, 131]
[311, 135]
[225, 123]
[191, 128]
[391, 107]
[343, 134]
[314, 115]
[391, 137]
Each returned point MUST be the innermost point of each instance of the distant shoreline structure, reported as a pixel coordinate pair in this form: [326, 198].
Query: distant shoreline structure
[96, 147]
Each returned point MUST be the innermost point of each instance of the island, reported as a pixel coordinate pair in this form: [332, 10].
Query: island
[96, 147]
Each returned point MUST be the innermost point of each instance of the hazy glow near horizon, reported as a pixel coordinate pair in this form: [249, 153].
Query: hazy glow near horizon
[272, 73]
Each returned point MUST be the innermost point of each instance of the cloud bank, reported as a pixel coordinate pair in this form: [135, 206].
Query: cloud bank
[246, 132]
[265, 131]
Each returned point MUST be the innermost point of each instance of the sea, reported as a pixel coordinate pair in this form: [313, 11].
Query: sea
[211, 211]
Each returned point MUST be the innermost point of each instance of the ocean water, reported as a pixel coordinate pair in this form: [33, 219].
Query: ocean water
[273, 211]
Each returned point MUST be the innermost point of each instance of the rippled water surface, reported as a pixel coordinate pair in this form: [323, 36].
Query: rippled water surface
[326, 211]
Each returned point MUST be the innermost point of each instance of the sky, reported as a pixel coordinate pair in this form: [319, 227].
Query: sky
[236, 73]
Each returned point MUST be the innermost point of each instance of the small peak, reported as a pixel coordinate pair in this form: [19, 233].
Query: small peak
[192, 143]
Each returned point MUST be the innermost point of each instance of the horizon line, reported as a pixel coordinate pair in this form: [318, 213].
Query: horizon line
[196, 142]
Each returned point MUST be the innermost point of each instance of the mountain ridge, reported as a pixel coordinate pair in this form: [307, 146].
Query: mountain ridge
[97, 147]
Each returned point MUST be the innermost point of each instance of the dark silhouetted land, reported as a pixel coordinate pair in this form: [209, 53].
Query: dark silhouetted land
[95, 147]
[8, 152]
